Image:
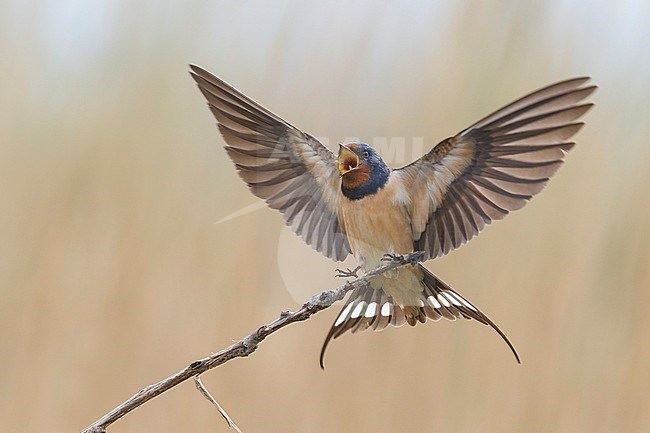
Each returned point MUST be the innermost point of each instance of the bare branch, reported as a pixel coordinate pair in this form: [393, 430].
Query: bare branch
[206, 394]
[249, 344]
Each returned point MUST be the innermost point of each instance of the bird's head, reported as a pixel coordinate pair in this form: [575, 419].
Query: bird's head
[362, 170]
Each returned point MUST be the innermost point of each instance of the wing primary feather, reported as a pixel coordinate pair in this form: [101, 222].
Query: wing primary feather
[281, 177]
[545, 120]
[275, 131]
[479, 195]
[557, 102]
[494, 188]
[491, 173]
[211, 80]
[226, 106]
[544, 93]
[271, 166]
[563, 132]
[514, 150]
[251, 138]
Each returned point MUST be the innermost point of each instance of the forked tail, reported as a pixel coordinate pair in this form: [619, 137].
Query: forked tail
[367, 308]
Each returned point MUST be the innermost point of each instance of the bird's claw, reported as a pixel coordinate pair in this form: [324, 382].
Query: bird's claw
[347, 272]
[392, 258]
[413, 258]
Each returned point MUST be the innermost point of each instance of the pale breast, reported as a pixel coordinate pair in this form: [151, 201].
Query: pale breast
[377, 225]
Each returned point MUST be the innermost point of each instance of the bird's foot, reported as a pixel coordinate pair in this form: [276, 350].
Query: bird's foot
[393, 258]
[347, 273]
[416, 257]
[413, 258]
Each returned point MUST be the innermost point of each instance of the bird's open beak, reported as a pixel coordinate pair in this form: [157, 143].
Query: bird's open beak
[348, 160]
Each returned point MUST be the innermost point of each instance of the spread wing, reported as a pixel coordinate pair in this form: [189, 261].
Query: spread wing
[291, 170]
[491, 168]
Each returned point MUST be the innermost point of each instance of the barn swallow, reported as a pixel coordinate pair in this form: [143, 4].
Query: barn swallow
[353, 203]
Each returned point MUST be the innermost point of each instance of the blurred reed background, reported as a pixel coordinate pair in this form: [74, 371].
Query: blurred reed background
[114, 273]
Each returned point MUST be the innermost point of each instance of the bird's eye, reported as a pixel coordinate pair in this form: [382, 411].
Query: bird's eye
[366, 154]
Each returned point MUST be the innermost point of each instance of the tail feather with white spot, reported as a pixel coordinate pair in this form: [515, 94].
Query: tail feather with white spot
[367, 308]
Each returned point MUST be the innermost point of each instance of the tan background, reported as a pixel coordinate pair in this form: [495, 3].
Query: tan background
[114, 273]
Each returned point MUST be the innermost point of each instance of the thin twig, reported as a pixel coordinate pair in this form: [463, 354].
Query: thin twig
[205, 393]
[248, 344]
